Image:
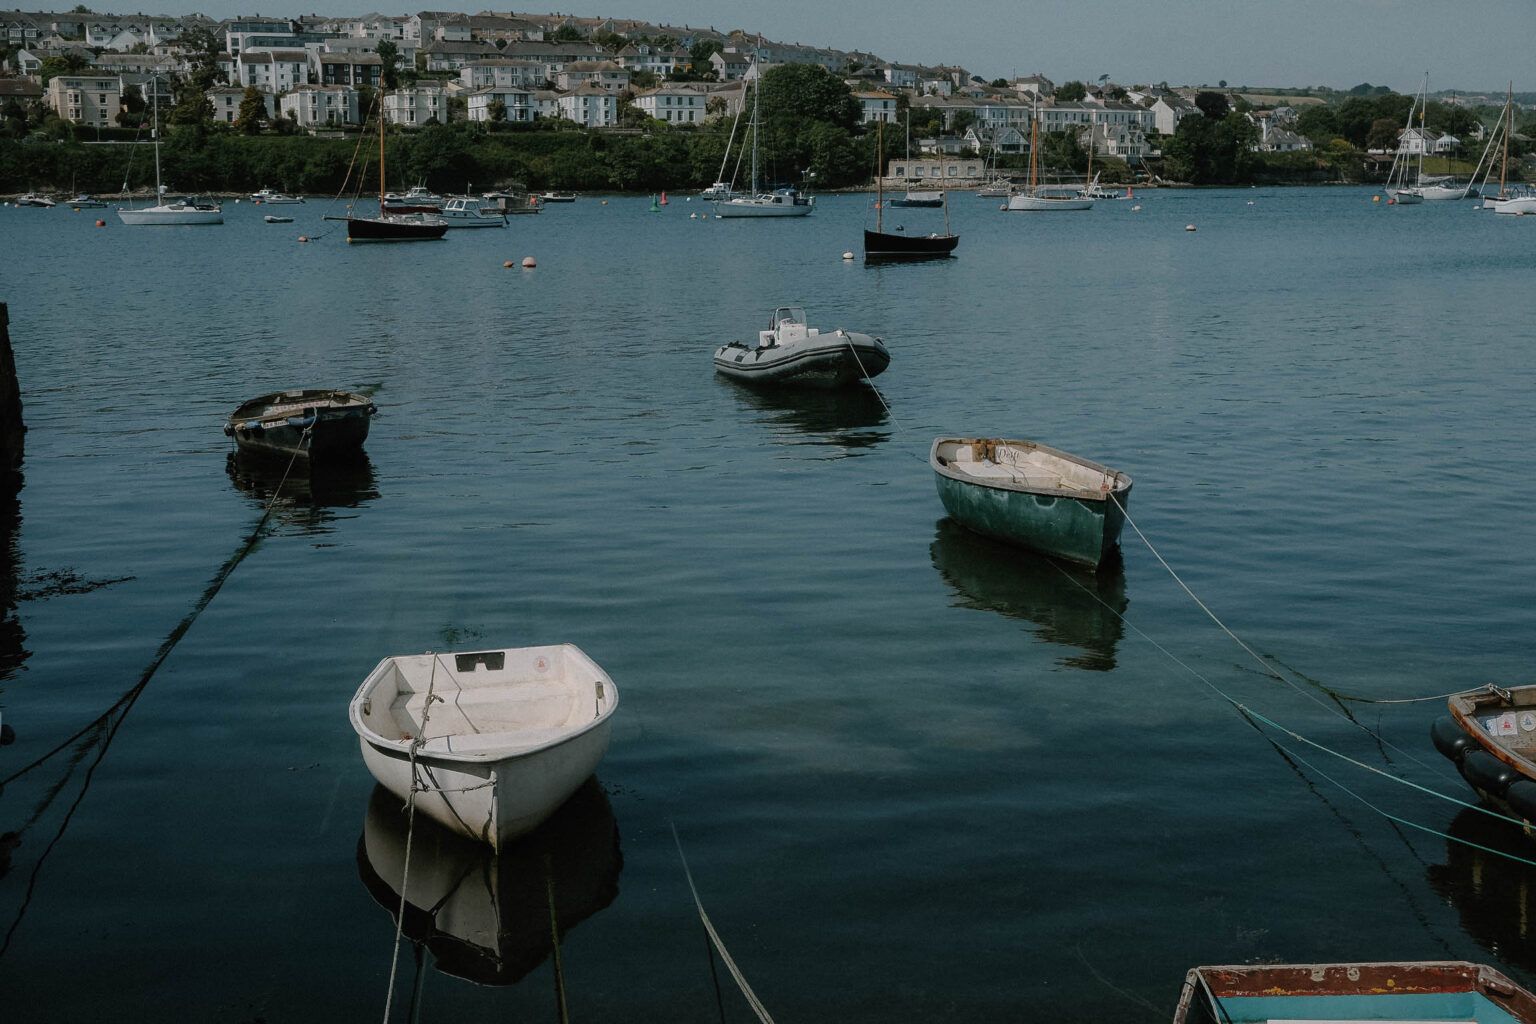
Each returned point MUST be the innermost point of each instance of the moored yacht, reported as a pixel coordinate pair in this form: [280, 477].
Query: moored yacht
[34, 199]
[468, 212]
[272, 198]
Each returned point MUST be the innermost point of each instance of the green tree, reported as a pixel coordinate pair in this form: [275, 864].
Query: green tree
[253, 111]
[70, 63]
[192, 106]
[610, 41]
[1212, 104]
[962, 120]
[367, 96]
[389, 55]
[798, 94]
[1318, 123]
[1383, 134]
[566, 34]
[1071, 92]
[496, 110]
[999, 83]
[699, 54]
[1206, 151]
[201, 47]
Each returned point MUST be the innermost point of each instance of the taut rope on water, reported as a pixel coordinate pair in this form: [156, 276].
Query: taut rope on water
[714, 937]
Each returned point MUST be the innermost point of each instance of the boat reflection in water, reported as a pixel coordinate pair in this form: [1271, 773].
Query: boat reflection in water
[485, 917]
[1068, 605]
[310, 495]
[847, 418]
[1495, 896]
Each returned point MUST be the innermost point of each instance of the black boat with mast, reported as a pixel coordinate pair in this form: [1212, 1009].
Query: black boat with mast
[391, 227]
[881, 245]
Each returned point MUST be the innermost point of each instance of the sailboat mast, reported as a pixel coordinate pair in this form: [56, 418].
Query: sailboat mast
[757, 94]
[1034, 139]
[880, 176]
[380, 101]
[154, 133]
[1509, 111]
[1423, 109]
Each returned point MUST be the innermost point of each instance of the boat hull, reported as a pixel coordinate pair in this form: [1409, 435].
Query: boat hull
[365, 229]
[494, 802]
[1079, 530]
[1490, 737]
[837, 363]
[1405, 197]
[746, 209]
[881, 245]
[1517, 207]
[917, 203]
[1441, 193]
[304, 426]
[158, 217]
[1039, 204]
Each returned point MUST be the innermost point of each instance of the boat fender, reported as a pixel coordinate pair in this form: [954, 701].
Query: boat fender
[229, 430]
[254, 427]
[302, 422]
[1487, 773]
[1521, 798]
[1450, 740]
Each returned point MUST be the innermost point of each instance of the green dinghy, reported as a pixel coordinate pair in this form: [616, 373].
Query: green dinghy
[1024, 493]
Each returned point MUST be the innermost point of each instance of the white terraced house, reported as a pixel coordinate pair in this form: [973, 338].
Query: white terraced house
[499, 73]
[876, 105]
[86, 100]
[674, 103]
[590, 106]
[315, 106]
[274, 71]
[226, 100]
[417, 104]
[604, 74]
[518, 103]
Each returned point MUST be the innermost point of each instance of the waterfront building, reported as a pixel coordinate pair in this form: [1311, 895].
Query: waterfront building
[416, 104]
[500, 73]
[675, 102]
[226, 100]
[590, 106]
[604, 74]
[963, 169]
[274, 71]
[518, 103]
[876, 105]
[316, 106]
[86, 99]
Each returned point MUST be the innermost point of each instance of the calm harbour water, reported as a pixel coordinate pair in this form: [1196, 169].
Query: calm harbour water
[916, 775]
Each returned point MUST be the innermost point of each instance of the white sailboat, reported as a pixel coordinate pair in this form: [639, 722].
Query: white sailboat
[168, 212]
[782, 202]
[1038, 197]
[1399, 192]
[1519, 199]
[916, 197]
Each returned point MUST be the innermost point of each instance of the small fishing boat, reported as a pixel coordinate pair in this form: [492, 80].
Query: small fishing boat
[996, 188]
[492, 742]
[509, 203]
[720, 190]
[1422, 992]
[34, 199]
[271, 219]
[1490, 736]
[272, 198]
[83, 201]
[315, 423]
[1037, 497]
[557, 197]
[416, 199]
[789, 352]
[468, 212]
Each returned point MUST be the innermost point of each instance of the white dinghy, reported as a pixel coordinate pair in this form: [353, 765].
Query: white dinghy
[492, 742]
[789, 352]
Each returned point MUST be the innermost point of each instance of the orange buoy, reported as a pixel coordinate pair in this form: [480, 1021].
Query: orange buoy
[101, 223]
[506, 265]
[305, 238]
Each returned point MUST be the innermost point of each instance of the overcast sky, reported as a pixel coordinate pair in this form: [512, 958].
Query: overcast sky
[1338, 43]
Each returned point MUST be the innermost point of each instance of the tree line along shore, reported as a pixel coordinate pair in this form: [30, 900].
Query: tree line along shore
[811, 135]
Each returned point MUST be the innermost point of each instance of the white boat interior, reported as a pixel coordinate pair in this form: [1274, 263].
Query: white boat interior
[485, 705]
[1025, 465]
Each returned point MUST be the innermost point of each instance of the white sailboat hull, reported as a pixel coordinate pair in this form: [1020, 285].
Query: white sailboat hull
[1405, 197]
[761, 208]
[1518, 205]
[1440, 193]
[1033, 204]
[170, 216]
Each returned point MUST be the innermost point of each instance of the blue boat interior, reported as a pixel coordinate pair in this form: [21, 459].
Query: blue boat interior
[1395, 1007]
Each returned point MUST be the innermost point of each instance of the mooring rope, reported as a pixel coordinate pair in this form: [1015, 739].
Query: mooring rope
[1264, 664]
[410, 834]
[554, 936]
[125, 703]
[714, 937]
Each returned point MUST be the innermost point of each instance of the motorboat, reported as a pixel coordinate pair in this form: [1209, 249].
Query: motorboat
[468, 212]
[791, 353]
[1518, 205]
[483, 914]
[416, 199]
[997, 188]
[913, 198]
[557, 197]
[315, 423]
[1433, 992]
[34, 199]
[510, 203]
[1490, 735]
[271, 219]
[487, 743]
[271, 198]
[720, 190]
[86, 202]
[1025, 493]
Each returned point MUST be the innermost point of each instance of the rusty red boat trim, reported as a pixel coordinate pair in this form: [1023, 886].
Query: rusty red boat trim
[1355, 979]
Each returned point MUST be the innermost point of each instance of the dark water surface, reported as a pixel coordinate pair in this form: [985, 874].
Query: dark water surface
[917, 776]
